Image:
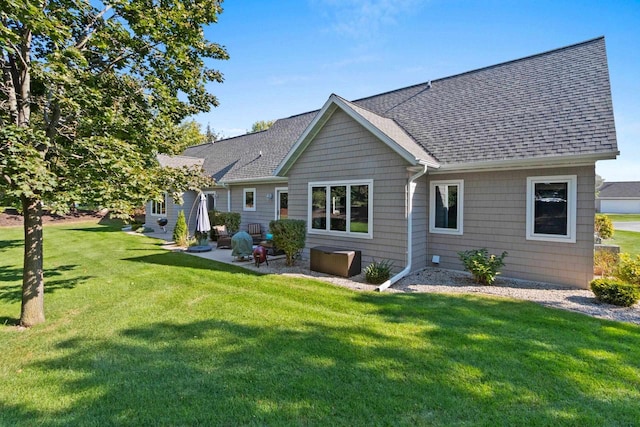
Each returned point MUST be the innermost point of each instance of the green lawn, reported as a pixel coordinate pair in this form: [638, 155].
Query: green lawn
[139, 336]
[629, 241]
[624, 217]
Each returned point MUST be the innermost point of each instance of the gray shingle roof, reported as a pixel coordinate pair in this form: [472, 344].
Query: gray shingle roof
[178, 161]
[556, 103]
[622, 190]
[394, 131]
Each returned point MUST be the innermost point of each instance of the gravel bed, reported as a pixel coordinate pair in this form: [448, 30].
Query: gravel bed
[456, 282]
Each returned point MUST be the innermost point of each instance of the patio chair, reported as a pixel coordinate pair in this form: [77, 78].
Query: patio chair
[255, 231]
[224, 238]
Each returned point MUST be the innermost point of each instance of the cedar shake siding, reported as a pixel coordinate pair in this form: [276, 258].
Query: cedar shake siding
[343, 150]
[495, 218]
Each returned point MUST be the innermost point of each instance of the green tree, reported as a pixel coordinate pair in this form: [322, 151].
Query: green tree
[211, 135]
[90, 92]
[261, 125]
[191, 134]
[180, 232]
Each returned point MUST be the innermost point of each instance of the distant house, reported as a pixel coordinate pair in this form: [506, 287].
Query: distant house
[501, 157]
[619, 197]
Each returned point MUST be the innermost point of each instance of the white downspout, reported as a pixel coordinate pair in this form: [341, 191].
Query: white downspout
[228, 199]
[411, 186]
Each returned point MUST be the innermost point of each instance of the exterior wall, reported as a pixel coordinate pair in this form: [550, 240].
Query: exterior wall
[495, 218]
[420, 223]
[265, 208]
[344, 150]
[189, 197]
[619, 206]
[221, 197]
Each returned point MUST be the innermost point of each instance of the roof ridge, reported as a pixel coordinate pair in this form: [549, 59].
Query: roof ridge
[524, 58]
[427, 83]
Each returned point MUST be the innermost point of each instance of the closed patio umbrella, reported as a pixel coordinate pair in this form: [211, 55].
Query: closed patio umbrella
[202, 227]
[202, 216]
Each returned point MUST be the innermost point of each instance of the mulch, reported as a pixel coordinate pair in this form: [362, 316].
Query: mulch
[11, 218]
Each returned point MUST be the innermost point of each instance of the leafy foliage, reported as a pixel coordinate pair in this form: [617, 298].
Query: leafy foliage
[230, 219]
[605, 263]
[180, 232]
[629, 269]
[484, 267]
[289, 235]
[615, 292]
[378, 271]
[90, 93]
[211, 136]
[261, 125]
[603, 226]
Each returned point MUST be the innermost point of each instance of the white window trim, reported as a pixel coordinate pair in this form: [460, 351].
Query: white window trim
[432, 207]
[244, 199]
[215, 198]
[276, 195]
[327, 231]
[572, 203]
[153, 204]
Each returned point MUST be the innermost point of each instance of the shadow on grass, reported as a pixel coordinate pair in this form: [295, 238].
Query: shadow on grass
[179, 259]
[10, 244]
[462, 363]
[13, 292]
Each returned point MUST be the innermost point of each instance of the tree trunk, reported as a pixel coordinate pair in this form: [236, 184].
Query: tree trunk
[33, 271]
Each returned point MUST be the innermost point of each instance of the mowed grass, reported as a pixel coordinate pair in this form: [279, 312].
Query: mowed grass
[629, 241]
[624, 217]
[139, 336]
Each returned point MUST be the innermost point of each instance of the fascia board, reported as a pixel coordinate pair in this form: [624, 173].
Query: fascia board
[538, 162]
[323, 116]
[307, 136]
[263, 180]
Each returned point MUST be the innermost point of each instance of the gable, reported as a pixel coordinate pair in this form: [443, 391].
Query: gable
[384, 129]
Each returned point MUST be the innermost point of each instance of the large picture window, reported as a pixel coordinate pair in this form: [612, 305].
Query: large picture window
[249, 199]
[551, 208]
[343, 207]
[445, 207]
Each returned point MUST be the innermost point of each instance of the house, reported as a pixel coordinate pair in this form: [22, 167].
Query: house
[501, 157]
[619, 197]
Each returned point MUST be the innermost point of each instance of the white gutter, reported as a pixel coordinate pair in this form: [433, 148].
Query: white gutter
[411, 186]
[536, 162]
[261, 180]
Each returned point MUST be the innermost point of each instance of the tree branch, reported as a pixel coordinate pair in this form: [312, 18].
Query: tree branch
[89, 28]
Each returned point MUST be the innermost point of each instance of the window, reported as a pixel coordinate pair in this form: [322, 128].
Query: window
[159, 208]
[249, 199]
[445, 207]
[341, 208]
[282, 202]
[212, 196]
[551, 208]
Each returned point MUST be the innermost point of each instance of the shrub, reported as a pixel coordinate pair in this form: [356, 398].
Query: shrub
[603, 226]
[615, 292]
[180, 232]
[378, 272]
[289, 235]
[230, 219]
[605, 263]
[629, 269]
[481, 265]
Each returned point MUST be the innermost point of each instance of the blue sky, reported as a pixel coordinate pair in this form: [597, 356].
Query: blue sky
[288, 56]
